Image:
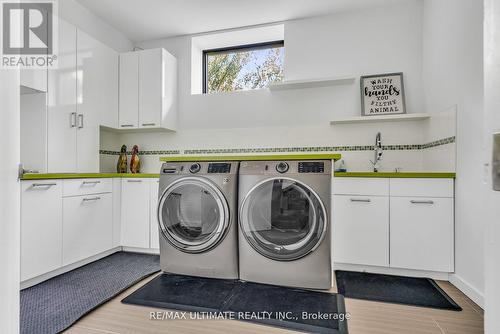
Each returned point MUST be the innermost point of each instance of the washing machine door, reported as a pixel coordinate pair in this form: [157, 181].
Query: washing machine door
[193, 214]
[283, 219]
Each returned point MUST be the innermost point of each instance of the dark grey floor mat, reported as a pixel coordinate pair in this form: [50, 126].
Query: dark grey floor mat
[412, 291]
[184, 293]
[298, 309]
[289, 308]
[54, 305]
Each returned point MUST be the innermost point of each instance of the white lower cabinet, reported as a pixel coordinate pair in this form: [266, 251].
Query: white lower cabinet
[397, 223]
[41, 227]
[88, 226]
[361, 230]
[154, 226]
[422, 233]
[135, 213]
[67, 221]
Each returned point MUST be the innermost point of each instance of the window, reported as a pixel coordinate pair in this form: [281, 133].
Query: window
[242, 67]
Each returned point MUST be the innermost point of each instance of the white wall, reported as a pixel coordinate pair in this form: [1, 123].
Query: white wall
[492, 198]
[73, 12]
[337, 45]
[452, 67]
[9, 202]
[34, 131]
[377, 40]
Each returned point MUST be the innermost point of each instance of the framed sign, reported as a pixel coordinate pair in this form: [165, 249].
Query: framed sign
[382, 94]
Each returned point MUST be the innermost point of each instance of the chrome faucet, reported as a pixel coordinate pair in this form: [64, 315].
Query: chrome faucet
[378, 153]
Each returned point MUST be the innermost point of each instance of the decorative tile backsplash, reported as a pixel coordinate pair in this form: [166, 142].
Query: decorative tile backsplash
[171, 152]
[436, 143]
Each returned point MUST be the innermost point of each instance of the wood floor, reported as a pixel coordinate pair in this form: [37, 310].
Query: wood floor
[366, 318]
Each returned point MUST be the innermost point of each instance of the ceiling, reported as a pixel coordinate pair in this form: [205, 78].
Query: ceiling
[142, 20]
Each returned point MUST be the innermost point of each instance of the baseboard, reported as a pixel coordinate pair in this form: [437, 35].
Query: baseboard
[442, 276]
[141, 250]
[65, 269]
[471, 292]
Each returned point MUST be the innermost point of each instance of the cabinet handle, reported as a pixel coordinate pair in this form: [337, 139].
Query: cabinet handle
[127, 125]
[134, 181]
[90, 182]
[40, 185]
[421, 202]
[72, 119]
[80, 121]
[90, 199]
[361, 200]
[148, 124]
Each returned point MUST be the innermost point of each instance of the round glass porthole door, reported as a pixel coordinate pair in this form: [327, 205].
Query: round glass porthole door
[193, 214]
[283, 219]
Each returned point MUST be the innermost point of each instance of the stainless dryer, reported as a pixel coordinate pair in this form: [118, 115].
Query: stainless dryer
[284, 220]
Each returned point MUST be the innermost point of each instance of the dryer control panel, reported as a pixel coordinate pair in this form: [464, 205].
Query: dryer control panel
[286, 168]
[311, 167]
[219, 168]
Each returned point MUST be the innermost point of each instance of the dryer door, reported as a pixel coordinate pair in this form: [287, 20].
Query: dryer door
[193, 214]
[283, 219]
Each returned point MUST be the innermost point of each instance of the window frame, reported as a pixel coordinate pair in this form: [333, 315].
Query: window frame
[231, 49]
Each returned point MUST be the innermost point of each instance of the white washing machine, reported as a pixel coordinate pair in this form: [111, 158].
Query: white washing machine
[284, 220]
[197, 215]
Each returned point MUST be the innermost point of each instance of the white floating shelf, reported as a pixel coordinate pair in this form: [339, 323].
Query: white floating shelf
[313, 83]
[382, 118]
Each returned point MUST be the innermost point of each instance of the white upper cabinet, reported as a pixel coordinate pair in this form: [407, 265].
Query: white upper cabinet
[62, 113]
[129, 88]
[97, 97]
[97, 80]
[148, 90]
[34, 80]
[82, 95]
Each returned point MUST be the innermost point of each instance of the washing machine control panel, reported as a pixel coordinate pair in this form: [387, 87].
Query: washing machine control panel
[195, 168]
[311, 167]
[219, 168]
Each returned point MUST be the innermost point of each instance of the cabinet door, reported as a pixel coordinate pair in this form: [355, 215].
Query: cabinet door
[154, 226]
[169, 106]
[135, 228]
[117, 207]
[129, 90]
[41, 227]
[35, 80]
[422, 233]
[97, 95]
[361, 230]
[62, 104]
[150, 88]
[88, 226]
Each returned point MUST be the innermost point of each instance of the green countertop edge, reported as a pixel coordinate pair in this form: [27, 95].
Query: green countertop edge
[408, 175]
[188, 158]
[51, 176]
